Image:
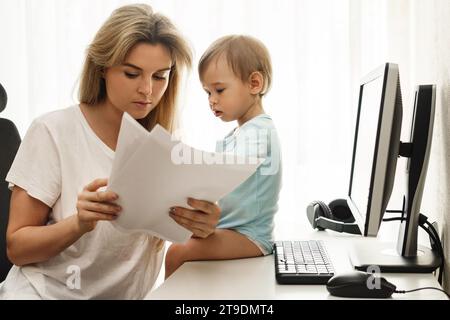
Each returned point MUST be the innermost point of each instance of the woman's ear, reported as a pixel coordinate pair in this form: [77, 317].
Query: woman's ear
[256, 82]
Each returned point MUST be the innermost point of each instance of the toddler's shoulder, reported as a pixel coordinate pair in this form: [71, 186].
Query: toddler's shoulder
[261, 122]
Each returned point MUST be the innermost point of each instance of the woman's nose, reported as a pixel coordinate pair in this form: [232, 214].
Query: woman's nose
[146, 87]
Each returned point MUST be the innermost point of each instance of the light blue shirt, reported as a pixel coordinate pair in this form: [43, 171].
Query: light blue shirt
[251, 207]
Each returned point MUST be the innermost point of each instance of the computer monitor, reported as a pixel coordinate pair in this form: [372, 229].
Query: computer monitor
[417, 152]
[376, 148]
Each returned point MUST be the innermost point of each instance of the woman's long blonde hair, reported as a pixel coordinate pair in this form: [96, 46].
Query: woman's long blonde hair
[126, 27]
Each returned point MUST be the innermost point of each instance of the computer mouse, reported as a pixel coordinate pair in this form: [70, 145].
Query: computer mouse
[359, 284]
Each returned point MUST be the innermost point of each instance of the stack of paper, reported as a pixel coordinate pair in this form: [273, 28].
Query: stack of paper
[153, 172]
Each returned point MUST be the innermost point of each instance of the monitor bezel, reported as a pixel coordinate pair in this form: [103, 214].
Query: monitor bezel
[369, 223]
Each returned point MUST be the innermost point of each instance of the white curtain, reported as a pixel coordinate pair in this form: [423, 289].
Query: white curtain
[42, 51]
[320, 49]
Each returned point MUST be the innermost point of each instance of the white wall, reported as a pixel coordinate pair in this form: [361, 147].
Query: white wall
[430, 56]
[422, 43]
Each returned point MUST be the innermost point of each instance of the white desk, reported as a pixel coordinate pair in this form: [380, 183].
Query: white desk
[254, 278]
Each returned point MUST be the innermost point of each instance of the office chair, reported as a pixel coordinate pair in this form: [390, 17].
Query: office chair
[9, 143]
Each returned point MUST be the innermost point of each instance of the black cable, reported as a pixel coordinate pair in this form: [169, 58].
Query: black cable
[424, 288]
[441, 254]
[432, 233]
[440, 249]
[393, 219]
[394, 211]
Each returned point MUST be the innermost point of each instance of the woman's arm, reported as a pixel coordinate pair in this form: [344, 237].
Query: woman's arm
[30, 240]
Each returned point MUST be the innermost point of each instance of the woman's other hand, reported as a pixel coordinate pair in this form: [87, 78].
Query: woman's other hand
[94, 205]
[202, 220]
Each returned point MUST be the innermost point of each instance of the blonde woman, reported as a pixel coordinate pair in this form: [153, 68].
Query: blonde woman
[59, 236]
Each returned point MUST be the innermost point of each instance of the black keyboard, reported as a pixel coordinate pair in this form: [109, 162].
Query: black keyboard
[302, 262]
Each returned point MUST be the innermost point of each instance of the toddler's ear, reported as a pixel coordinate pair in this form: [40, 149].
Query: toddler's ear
[256, 82]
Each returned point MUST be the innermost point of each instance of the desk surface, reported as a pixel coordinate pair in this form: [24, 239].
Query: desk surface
[254, 278]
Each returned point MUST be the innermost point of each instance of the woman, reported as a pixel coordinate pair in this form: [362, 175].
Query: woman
[59, 234]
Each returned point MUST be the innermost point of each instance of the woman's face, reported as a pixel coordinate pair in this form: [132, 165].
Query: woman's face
[137, 85]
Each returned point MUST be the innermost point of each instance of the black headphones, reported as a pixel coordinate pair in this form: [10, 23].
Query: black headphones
[334, 216]
[3, 98]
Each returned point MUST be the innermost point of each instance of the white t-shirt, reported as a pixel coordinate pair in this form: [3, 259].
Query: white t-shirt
[59, 155]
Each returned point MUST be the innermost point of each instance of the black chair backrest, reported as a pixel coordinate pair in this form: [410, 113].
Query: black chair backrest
[9, 143]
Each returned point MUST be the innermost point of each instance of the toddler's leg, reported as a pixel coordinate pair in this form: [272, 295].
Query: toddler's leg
[223, 244]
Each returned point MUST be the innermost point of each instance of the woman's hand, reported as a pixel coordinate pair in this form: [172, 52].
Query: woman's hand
[202, 221]
[94, 205]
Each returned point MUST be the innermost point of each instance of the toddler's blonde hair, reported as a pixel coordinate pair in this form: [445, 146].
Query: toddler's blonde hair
[244, 54]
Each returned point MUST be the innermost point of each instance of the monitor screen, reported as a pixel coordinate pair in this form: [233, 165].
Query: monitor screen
[365, 144]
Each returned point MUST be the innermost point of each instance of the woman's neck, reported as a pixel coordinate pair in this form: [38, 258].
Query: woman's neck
[104, 119]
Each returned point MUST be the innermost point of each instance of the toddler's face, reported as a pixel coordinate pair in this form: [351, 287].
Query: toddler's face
[229, 98]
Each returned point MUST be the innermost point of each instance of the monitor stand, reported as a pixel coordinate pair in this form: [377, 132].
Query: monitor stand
[383, 255]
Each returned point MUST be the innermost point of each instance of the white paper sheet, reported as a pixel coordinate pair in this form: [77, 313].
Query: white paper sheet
[151, 173]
